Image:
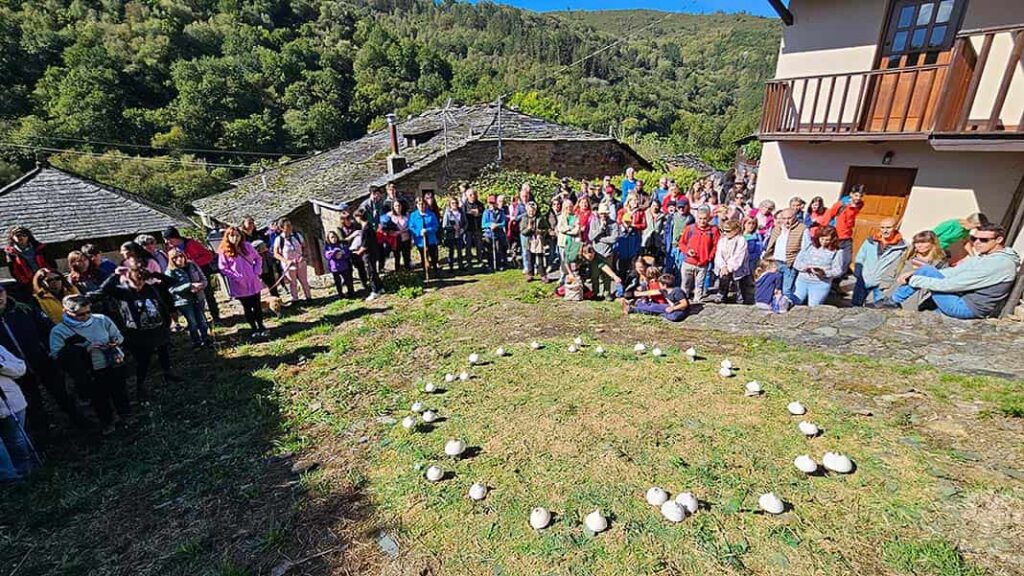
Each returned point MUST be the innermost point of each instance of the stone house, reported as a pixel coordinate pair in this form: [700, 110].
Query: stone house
[64, 211]
[921, 102]
[431, 152]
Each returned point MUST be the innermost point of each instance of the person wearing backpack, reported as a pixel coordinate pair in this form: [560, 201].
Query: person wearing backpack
[87, 346]
[290, 250]
[15, 447]
[201, 256]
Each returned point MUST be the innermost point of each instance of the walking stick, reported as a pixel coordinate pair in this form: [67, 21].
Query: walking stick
[426, 256]
[34, 374]
[494, 250]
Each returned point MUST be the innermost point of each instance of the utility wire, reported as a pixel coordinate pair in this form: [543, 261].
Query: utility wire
[134, 158]
[148, 147]
[621, 39]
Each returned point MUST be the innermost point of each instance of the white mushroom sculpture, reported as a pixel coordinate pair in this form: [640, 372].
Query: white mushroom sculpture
[596, 522]
[771, 503]
[539, 518]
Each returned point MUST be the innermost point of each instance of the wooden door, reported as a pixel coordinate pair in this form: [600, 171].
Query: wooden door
[918, 39]
[886, 191]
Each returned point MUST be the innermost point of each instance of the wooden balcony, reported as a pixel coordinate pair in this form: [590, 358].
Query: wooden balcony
[978, 94]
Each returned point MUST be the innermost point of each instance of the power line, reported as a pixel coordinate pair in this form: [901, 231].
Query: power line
[132, 158]
[620, 40]
[148, 147]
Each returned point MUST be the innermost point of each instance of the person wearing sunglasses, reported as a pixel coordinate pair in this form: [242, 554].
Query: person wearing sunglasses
[976, 288]
[50, 287]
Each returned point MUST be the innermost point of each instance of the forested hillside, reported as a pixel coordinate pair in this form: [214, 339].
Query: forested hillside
[192, 77]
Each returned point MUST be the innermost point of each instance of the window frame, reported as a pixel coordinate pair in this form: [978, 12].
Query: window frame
[953, 25]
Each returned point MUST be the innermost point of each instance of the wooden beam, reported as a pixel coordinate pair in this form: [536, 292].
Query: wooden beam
[842, 103]
[910, 100]
[972, 88]
[782, 11]
[828, 104]
[1004, 87]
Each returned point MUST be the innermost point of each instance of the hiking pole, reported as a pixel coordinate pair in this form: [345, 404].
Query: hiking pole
[3, 397]
[494, 250]
[426, 257]
[21, 427]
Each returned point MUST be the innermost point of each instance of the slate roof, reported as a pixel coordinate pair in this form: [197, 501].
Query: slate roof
[689, 161]
[59, 206]
[347, 172]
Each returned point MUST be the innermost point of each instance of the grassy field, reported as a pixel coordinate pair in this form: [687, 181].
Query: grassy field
[287, 457]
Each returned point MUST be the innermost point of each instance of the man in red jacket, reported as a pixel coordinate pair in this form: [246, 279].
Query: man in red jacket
[697, 245]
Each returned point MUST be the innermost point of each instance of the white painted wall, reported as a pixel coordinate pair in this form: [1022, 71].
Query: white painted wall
[948, 184]
[840, 36]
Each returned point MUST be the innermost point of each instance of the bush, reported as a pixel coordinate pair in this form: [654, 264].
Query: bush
[496, 181]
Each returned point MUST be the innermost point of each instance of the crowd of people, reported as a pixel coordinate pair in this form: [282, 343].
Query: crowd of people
[656, 252]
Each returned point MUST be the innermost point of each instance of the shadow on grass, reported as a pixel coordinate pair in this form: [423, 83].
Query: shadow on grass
[201, 484]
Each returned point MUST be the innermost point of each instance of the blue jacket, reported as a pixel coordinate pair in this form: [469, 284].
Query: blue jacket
[878, 270]
[424, 222]
[494, 216]
[627, 187]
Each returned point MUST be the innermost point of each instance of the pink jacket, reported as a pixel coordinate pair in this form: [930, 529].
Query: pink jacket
[732, 254]
[242, 272]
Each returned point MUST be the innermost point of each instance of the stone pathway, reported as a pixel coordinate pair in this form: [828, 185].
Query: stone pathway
[984, 347]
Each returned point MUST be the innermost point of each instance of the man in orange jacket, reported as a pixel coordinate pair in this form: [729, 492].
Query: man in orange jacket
[845, 215]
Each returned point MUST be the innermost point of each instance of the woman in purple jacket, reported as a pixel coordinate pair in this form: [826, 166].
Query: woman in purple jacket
[241, 266]
[339, 262]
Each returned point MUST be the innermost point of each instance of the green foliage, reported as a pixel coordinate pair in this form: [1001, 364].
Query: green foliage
[303, 75]
[684, 177]
[508, 183]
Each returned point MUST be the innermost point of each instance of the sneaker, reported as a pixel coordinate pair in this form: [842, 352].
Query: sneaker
[373, 296]
[197, 345]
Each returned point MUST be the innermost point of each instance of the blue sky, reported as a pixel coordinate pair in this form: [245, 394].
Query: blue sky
[753, 6]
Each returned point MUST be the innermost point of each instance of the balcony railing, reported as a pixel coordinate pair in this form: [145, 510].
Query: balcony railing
[980, 90]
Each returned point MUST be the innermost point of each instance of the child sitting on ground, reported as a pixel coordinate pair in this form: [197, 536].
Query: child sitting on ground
[671, 304]
[768, 288]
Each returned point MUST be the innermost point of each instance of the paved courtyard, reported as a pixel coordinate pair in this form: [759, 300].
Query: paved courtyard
[989, 347]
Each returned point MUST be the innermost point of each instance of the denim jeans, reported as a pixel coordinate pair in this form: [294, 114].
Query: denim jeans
[861, 292]
[654, 309]
[789, 275]
[524, 247]
[949, 304]
[15, 456]
[810, 292]
[198, 330]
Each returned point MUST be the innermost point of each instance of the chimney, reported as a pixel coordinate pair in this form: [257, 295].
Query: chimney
[396, 162]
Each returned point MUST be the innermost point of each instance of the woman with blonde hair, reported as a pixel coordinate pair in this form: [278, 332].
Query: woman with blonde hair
[925, 250]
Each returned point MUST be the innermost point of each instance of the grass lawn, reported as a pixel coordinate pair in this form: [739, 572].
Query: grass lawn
[215, 480]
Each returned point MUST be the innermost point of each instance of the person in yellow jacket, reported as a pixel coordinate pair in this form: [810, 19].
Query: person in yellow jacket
[49, 288]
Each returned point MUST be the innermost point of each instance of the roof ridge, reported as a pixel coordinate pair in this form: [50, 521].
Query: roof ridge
[20, 180]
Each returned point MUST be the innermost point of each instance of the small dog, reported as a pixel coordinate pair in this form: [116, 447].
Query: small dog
[272, 304]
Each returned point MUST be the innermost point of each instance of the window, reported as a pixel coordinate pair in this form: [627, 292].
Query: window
[917, 26]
